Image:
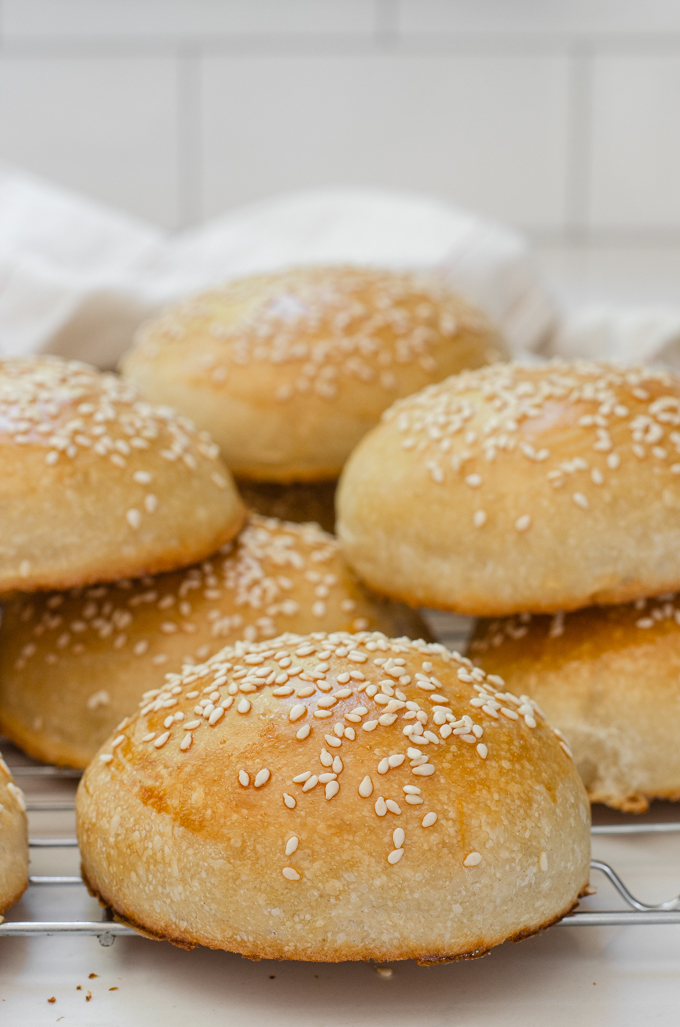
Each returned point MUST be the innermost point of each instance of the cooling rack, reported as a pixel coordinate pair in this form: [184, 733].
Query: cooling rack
[42, 783]
[106, 930]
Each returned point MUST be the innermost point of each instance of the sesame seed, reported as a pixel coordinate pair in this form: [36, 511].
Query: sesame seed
[395, 856]
[472, 860]
[244, 706]
[290, 874]
[243, 778]
[482, 750]
[523, 523]
[423, 770]
[310, 783]
[398, 837]
[134, 519]
[106, 757]
[161, 740]
[289, 800]
[429, 819]
[381, 806]
[366, 787]
[332, 788]
[261, 778]
[473, 480]
[369, 725]
[303, 732]
[332, 740]
[393, 806]
[383, 766]
[291, 845]
[296, 712]
[581, 500]
[302, 777]
[479, 518]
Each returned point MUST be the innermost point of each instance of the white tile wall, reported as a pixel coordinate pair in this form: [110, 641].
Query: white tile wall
[486, 131]
[560, 116]
[106, 125]
[635, 163]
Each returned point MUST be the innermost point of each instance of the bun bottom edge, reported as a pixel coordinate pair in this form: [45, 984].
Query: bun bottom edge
[35, 746]
[6, 904]
[422, 959]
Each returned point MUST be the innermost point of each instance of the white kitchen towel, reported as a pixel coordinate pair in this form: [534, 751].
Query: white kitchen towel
[76, 277]
[645, 334]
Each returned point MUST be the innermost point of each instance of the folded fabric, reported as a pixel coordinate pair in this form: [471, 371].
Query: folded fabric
[628, 334]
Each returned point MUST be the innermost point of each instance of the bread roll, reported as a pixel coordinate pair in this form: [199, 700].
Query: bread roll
[514, 488]
[72, 665]
[332, 797]
[96, 484]
[289, 370]
[13, 840]
[299, 501]
[609, 678]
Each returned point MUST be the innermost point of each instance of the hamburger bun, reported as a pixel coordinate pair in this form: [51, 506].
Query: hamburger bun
[514, 488]
[96, 484]
[13, 840]
[609, 678]
[73, 664]
[329, 797]
[288, 370]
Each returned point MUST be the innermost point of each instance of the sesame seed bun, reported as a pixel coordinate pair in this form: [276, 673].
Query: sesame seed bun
[13, 840]
[96, 484]
[514, 488]
[289, 370]
[332, 797]
[300, 501]
[609, 679]
[73, 664]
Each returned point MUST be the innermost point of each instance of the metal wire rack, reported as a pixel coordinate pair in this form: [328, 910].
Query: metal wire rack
[451, 631]
[106, 930]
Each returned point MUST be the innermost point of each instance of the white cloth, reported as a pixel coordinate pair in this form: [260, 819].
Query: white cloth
[77, 277]
[648, 335]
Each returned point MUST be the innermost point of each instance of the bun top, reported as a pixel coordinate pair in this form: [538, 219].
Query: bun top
[572, 423]
[72, 664]
[98, 484]
[547, 487]
[385, 725]
[320, 350]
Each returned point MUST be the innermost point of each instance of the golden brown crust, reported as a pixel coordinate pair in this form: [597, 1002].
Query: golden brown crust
[13, 840]
[511, 488]
[72, 665]
[607, 677]
[289, 370]
[299, 501]
[96, 484]
[388, 846]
